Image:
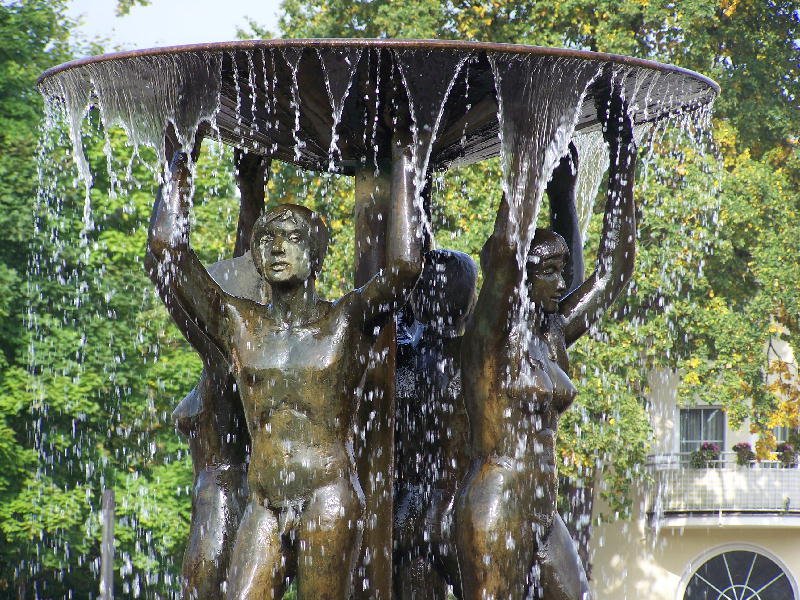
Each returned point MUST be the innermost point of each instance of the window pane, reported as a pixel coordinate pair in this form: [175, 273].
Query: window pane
[739, 574]
[691, 426]
[714, 421]
[698, 425]
[782, 434]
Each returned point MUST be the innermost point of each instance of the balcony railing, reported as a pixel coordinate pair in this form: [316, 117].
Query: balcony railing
[722, 486]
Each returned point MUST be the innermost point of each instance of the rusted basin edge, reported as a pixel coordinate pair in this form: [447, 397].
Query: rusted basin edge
[384, 43]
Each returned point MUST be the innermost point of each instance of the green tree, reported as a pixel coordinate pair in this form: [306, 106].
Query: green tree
[109, 367]
[33, 36]
[91, 366]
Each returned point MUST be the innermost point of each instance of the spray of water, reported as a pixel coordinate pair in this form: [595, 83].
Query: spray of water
[252, 98]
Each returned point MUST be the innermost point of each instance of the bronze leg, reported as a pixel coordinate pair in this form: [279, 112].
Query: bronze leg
[562, 573]
[444, 544]
[329, 537]
[414, 578]
[418, 580]
[216, 511]
[494, 536]
[258, 563]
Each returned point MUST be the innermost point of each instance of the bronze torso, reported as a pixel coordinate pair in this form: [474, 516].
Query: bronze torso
[518, 420]
[298, 389]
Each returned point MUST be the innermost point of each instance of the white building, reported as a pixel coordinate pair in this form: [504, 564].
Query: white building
[720, 532]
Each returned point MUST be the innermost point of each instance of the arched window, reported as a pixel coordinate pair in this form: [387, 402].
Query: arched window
[740, 575]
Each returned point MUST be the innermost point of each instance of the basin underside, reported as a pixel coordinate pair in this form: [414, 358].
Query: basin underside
[262, 83]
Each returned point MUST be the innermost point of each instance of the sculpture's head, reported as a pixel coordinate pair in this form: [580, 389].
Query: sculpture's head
[288, 244]
[445, 292]
[547, 258]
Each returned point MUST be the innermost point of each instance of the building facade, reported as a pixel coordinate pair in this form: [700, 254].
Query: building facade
[704, 527]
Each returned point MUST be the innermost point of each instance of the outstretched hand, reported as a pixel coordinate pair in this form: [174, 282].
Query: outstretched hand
[172, 146]
[562, 183]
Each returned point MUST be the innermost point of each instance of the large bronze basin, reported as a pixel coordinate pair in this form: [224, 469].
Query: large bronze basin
[252, 88]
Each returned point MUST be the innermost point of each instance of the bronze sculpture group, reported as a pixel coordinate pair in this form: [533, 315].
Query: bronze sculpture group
[399, 442]
[478, 396]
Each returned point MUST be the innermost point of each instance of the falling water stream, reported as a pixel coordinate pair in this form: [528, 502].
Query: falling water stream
[318, 106]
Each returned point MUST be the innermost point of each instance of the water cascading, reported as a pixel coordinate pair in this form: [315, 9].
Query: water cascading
[390, 114]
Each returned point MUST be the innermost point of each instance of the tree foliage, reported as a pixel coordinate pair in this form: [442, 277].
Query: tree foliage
[124, 6]
[107, 368]
[33, 36]
[91, 367]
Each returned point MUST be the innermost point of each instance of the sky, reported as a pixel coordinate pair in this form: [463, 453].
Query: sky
[170, 22]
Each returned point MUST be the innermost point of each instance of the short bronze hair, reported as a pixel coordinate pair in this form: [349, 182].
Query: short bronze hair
[546, 244]
[318, 231]
[449, 276]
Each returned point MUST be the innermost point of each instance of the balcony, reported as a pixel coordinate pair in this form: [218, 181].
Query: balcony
[764, 488]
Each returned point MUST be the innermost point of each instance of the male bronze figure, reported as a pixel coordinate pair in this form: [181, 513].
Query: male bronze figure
[298, 363]
[511, 541]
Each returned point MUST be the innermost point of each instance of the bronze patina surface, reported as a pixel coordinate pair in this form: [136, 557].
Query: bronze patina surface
[512, 543]
[262, 81]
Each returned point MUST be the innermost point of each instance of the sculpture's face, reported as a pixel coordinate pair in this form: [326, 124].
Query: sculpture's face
[546, 284]
[284, 250]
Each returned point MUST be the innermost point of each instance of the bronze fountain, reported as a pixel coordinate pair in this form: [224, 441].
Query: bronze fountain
[399, 441]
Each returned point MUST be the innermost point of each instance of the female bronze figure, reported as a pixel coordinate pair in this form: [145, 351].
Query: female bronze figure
[298, 363]
[511, 541]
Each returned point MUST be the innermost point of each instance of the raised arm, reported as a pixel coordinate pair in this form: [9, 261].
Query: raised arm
[252, 172]
[502, 277]
[615, 256]
[561, 191]
[209, 352]
[185, 286]
[502, 273]
[390, 288]
[251, 175]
